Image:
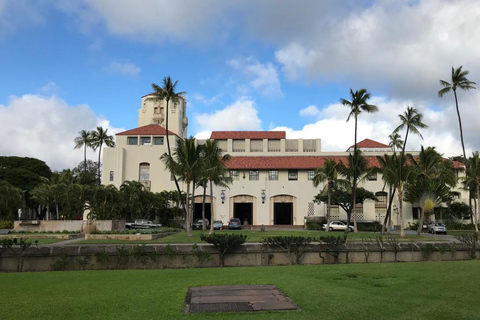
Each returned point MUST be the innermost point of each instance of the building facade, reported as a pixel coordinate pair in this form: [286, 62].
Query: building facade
[272, 176]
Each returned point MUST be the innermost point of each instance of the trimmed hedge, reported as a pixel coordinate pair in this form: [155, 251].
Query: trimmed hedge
[6, 224]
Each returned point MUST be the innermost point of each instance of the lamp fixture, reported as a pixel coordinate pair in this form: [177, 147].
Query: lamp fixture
[222, 196]
[395, 209]
[263, 196]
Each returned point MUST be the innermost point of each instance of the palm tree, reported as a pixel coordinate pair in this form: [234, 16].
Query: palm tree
[11, 199]
[357, 105]
[395, 172]
[472, 179]
[185, 163]
[395, 141]
[84, 140]
[328, 173]
[360, 171]
[459, 80]
[412, 120]
[433, 181]
[99, 138]
[215, 170]
[167, 93]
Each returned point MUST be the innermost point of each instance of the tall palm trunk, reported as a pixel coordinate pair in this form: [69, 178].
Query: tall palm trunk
[212, 216]
[329, 204]
[170, 154]
[460, 125]
[99, 157]
[204, 227]
[188, 218]
[354, 186]
[420, 222]
[475, 216]
[400, 210]
[84, 163]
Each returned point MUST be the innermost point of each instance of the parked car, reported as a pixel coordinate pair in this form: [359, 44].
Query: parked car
[217, 225]
[234, 223]
[437, 227]
[337, 226]
[197, 225]
[142, 224]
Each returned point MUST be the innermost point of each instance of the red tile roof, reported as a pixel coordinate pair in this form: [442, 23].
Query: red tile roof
[297, 162]
[149, 129]
[368, 143]
[287, 162]
[248, 135]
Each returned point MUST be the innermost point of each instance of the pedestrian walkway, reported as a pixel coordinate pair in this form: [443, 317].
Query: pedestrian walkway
[66, 242]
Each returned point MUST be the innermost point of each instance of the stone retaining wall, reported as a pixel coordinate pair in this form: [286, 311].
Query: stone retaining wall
[84, 226]
[97, 257]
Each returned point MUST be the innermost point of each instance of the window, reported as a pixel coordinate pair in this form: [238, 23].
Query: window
[273, 175]
[158, 141]
[144, 172]
[111, 175]
[310, 174]
[253, 175]
[146, 141]
[292, 175]
[132, 141]
[234, 175]
[372, 176]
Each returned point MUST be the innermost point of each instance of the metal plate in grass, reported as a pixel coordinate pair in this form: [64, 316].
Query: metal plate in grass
[237, 298]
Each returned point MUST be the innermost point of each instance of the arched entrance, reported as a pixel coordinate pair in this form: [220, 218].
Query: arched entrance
[198, 207]
[243, 208]
[283, 210]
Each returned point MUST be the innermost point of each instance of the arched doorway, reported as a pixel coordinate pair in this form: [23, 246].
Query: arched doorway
[243, 208]
[283, 210]
[198, 208]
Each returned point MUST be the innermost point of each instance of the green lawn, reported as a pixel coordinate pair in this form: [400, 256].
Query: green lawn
[459, 232]
[423, 290]
[252, 236]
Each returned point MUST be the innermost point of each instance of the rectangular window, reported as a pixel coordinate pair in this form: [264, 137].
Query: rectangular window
[146, 141]
[372, 176]
[273, 175]
[310, 174]
[133, 141]
[292, 175]
[158, 141]
[234, 174]
[111, 175]
[253, 175]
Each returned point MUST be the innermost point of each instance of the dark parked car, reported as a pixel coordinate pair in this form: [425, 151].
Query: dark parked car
[197, 225]
[234, 223]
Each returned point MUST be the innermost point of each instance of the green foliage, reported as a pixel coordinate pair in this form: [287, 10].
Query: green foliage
[334, 246]
[224, 243]
[294, 246]
[123, 256]
[60, 263]
[22, 243]
[6, 224]
[394, 243]
[139, 254]
[470, 241]
[169, 251]
[102, 257]
[199, 254]
[427, 250]
[315, 225]
[369, 226]
[83, 262]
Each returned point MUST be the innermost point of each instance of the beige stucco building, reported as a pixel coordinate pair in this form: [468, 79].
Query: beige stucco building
[272, 176]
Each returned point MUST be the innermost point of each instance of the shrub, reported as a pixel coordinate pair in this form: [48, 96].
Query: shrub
[60, 264]
[23, 243]
[102, 257]
[6, 224]
[470, 241]
[316, 225]
[427, 250]
[199, 254]
[224, 243]
[295, 246]
[333, 246]
[369, 226]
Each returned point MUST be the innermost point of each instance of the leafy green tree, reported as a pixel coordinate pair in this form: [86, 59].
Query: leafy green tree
[99, 138]
[186, 164]
[86, 173]
[395, 141]
[11, 199]
[329, 174]
[357, 105]
[131, 194]
[458, 81]
[84, 140]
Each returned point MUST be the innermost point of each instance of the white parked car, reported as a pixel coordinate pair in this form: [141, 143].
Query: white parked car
[337, 226]
[437, 227]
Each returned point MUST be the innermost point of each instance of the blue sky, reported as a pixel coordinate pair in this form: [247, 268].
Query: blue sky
[245, 65]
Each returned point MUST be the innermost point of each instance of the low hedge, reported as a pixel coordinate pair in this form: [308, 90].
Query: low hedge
[6, 224]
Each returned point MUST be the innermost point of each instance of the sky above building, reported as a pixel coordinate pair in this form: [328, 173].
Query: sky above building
[67, 66]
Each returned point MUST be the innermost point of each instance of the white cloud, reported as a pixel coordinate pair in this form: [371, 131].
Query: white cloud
[49, 88]
[44, 128]
[19, 14]
[206, 100]
[240, 115]
[310, 111]
[122, 68]
[261, 77]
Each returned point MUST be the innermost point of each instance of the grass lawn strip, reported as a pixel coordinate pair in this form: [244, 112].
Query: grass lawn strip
[425, 290]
